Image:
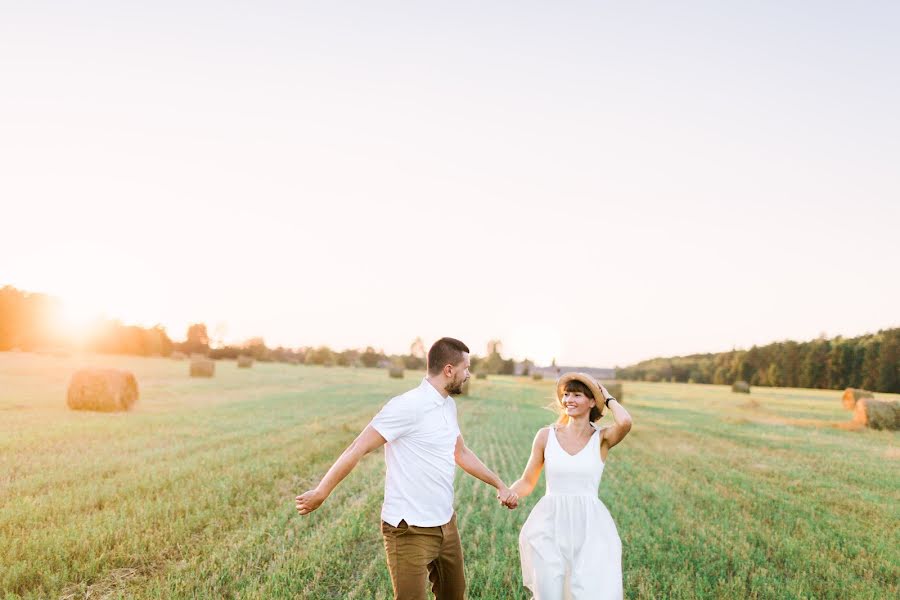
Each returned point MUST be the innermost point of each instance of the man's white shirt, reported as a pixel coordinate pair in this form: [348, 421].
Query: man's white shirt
[421, 429]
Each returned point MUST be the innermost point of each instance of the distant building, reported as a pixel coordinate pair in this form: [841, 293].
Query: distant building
[553, 372]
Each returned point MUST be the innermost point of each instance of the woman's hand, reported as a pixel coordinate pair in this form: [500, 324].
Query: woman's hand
[604, 391]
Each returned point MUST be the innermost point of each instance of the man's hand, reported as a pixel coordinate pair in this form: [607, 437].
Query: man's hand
[309, 501]
[508, 498]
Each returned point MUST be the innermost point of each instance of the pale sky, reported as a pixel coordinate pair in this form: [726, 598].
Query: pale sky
[598, 182]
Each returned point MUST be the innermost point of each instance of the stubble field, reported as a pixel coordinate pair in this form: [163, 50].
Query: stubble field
[190, 495]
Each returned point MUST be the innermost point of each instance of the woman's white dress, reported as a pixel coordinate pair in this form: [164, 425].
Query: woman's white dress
[569, 546]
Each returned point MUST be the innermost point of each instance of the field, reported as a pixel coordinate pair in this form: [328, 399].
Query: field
[716, 495]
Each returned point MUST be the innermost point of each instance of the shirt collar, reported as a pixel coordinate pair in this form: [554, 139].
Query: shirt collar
[432, 392]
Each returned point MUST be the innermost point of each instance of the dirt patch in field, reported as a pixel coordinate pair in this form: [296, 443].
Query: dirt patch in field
[849, 426]
[792, 422]
[108, 586]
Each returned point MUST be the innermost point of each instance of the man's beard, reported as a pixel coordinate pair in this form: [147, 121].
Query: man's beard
[455, 387]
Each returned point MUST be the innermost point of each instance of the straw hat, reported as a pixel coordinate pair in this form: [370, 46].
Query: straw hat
[584, 378]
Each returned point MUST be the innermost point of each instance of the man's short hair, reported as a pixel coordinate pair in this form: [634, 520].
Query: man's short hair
[445, 351]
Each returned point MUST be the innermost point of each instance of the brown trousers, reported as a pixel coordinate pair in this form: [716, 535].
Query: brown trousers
[414, 553]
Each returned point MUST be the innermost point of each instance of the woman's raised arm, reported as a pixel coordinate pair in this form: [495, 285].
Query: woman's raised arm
[614, 434]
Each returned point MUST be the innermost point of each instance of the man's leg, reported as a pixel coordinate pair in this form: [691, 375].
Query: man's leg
[409, 549]
[447, 571]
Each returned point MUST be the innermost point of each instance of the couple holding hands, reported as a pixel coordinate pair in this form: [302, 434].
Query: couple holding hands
[569, 547]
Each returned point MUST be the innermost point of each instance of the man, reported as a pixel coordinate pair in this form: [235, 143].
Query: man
[423, 446]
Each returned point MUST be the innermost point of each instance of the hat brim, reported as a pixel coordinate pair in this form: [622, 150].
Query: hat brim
[584, 378]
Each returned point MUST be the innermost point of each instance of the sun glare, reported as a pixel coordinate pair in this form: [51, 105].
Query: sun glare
[540, 343]
[77, 319]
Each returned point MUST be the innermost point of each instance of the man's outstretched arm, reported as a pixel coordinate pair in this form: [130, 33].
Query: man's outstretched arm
[471, 464]
[364, 443]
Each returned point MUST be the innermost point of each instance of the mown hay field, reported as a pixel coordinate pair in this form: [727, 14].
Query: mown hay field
[190, 494]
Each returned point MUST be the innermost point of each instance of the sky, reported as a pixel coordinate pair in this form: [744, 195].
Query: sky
[595, 182]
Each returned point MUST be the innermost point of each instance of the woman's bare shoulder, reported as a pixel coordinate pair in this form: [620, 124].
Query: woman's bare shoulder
[540, 438]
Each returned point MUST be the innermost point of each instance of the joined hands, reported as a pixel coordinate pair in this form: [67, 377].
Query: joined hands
[508, 498]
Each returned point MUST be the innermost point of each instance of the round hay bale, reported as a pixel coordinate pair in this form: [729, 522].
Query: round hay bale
[203, 367]
[852, 395]
[877, 414]
[615, 389]
[480, 375]
[106, 390]
[537, 376]
[244, 362]
[740, 387]
[395, 373]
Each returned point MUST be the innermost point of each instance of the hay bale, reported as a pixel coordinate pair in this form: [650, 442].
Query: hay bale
[537, 376]
[202, 367]
[395, 373]
[740, 387]
[244, 362]
[615, 389]
[852, 395]
[480, 375]
[877, 414]
[178, 356]
[107, 390]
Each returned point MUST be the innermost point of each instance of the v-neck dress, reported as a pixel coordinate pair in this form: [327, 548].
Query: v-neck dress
[569, 546]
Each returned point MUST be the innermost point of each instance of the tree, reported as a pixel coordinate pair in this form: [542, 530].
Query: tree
[370, 358]
[197, 339]
[26, 319]
[840, 364]
[814, 369]
[889, 364]
[321, 356]
[255, 347]
[871, 366]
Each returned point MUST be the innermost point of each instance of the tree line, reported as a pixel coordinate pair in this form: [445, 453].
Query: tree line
[870, 361]
[29, 321]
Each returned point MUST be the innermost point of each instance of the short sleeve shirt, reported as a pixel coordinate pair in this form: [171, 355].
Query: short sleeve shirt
[421, 429]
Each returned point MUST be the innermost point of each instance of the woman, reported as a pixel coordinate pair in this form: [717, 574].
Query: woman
[569, 546]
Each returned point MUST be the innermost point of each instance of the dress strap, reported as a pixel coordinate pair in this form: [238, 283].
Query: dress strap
[553, 435]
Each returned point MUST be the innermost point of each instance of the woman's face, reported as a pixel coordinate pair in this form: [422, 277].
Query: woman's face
[577, 404]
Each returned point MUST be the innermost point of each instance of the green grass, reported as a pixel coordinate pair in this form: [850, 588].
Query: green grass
[191, 494]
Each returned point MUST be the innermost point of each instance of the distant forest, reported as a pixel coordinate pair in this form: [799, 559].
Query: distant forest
[870, 361]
